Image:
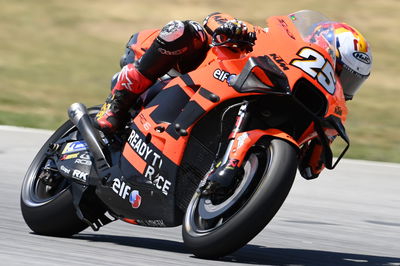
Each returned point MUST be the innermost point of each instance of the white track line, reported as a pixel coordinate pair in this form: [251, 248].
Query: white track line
[372, 163]
[24, 129]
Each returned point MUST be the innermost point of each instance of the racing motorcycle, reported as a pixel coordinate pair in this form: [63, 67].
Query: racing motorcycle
[246, 116]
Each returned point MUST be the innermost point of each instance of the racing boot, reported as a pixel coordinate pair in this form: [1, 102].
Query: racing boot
[114, 113]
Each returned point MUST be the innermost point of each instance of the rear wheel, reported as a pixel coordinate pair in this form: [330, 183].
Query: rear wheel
[214, 230]
[46, 200]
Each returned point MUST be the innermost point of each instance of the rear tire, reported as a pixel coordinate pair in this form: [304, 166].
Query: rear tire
[276, 165]
[50, 211]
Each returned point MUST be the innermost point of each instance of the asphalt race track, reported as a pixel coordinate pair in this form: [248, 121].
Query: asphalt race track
[348, 216]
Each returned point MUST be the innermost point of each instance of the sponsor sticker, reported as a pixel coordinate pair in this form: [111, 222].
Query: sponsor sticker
[75, 147]
[362, 57]
[279, 61]
[69, 156]
[83, 161]
[233, 163]
[135, 199]
[77, 174]
[223, 76]
[153, 223]
[316, 66]
[65, 169]
[121, 188]
[154, 162]
[241, 139]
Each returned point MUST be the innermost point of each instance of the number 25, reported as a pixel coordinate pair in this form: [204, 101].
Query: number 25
[316, 66]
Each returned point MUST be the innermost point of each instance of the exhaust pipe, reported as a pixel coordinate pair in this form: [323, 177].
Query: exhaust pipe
[79, 116]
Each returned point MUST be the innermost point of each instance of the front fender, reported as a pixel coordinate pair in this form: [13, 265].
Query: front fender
[245, 140]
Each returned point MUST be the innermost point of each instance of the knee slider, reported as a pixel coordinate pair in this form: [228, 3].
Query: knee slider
[114, 80]
[127, 58]
[129, 55]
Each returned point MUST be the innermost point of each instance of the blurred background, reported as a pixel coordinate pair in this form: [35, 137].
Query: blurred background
[56, 52]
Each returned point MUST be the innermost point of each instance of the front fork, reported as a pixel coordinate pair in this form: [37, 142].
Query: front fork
[224, 172]
[240, 123]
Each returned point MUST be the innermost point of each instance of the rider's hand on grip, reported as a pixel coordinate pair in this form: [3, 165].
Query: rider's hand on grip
[234, 33]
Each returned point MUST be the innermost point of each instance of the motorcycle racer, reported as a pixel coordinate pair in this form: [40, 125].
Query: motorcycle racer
[183, 45]
[179, 45]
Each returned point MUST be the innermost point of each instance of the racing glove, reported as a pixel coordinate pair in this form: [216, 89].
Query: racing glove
[234, 33]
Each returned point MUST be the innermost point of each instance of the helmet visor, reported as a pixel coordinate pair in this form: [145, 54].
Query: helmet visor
[351, 81]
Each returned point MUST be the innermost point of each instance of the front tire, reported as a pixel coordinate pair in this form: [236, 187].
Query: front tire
[266, 189]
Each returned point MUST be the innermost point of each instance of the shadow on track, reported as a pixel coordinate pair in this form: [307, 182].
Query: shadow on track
[252, 254]
[139, 242]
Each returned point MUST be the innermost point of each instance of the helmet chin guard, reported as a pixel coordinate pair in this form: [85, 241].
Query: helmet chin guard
[354, 58]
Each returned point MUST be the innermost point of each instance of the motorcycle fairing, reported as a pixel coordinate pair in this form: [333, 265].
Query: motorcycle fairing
[144, 172]
[245, 140]
[159, 133]
[169, 123]
[260, 74]
[72, 158]
[76, 165]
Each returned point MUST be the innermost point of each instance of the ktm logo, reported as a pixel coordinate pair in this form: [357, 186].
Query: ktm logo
[279, 61]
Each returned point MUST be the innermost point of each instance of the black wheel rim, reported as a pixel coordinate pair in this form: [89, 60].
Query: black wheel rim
[42, 193]
[198, 225]
[34, 192]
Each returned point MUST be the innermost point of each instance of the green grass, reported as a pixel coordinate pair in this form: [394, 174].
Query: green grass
[54, 53]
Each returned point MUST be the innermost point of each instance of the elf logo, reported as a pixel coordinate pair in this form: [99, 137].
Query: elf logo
[222, 75]
[121, 188]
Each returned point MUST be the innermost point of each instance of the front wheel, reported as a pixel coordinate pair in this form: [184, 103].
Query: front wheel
[214, 230]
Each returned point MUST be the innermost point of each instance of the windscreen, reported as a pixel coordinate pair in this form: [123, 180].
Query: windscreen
[317, 29]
